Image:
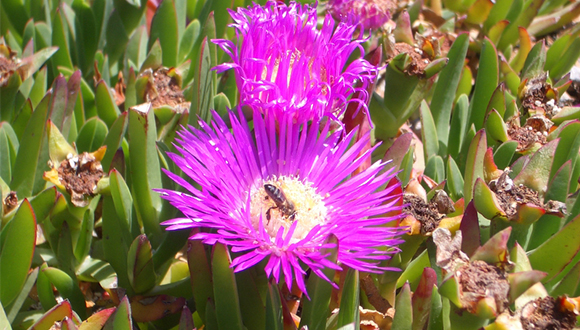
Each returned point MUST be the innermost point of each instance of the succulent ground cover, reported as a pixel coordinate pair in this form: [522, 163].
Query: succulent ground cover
[350, 164]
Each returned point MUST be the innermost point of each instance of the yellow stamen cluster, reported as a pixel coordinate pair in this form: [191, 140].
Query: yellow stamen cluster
[307, 205]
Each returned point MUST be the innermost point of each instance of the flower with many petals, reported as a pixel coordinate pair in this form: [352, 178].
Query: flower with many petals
[372, 14]
[285, 65]
[281, 192]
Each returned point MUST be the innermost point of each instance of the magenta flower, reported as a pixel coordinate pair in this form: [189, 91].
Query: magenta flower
[371, 14]
[285, 65]
[280, 191]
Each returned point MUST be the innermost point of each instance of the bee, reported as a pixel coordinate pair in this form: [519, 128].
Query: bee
[283, 204]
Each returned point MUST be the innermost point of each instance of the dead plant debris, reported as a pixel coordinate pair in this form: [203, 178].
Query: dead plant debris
[426, 213]
[479, 280]
[79, 175]
[527, 135]
[166, 90]
[419, 59]
[511, 195]
[10, 202]
[547, 314]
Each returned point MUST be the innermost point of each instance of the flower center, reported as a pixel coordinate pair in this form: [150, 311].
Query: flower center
[281, 201]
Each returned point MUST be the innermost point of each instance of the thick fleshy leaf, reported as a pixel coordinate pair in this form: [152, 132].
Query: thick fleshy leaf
[121, 318]
[560, 183]
[522, 281]
[140, 265]
[114, 139]
[349, 301]
[528, 213]
[536, 173]
[470, 230]
[485, 83]
[97, 320]
[557, 252]
[494, 251]
[546, 24]
[567, 113]
[315, 310]
[33, 152]
[92, 135]
[566, 61]
[55, 314]
[397, 151]
[534, 65]
[17, 244]
[436, 311]
[495, 127]
[428, 132]
[479, 11]
[449, 289]
[567, 149]
[422, 298]
[403, 318]
[510, 35]
[68, 288]
[504, 153]
[569, 283]
[154, 308]
[517, 63]
[227, 306]
[413, 271]
[251, 303]
[164, 27]
[496, 31]
[116, 239]
[14, 308]
[459, 126]
[201, 278]
[274, 319]
[106, 107]
[145, 170]
[454, 179]
[474, 164]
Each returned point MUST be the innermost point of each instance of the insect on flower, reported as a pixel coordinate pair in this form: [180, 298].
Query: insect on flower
[285, 205]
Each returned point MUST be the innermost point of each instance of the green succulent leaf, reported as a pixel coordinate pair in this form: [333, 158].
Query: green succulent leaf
[474, 164]
[557, 251]
[274, 318]
[504, 153]
[140, 265]
[68, 288]
[444, 92]
[17, 242]
[315, 310]
[422, 298]
[201, 277]
[349, 301]
[57, 313]
[428, 132]
[459, 126]
[92, 135]
[106, 107]
[536, 173]
[115, 238]
[32, 152]
[403, 319]
[164, 27]
[121, 318]
[251, 303]
[145, 169]
[485, 83]
[227, 306]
